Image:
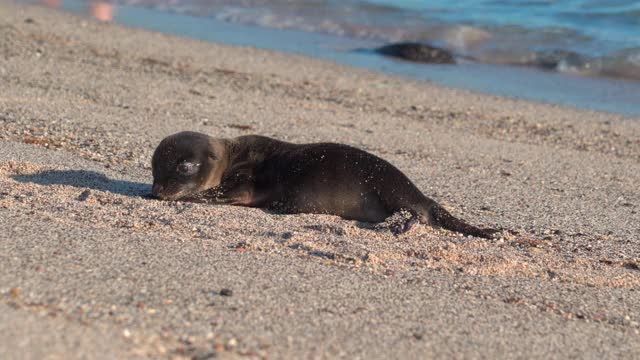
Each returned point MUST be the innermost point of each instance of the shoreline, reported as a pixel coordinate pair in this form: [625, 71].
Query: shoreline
[84, 104]
[613, 95]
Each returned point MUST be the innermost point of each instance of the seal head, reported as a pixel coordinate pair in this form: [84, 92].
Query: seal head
[186, 163]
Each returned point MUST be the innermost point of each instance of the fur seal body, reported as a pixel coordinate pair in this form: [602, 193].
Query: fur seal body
[324, 178]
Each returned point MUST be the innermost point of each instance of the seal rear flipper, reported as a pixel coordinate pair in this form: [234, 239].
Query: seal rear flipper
[439, 216]
[401, 222]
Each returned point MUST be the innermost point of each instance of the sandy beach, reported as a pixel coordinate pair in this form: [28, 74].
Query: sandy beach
[89, 268]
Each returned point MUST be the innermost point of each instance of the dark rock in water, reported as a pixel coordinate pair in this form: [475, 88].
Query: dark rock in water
[417, 52]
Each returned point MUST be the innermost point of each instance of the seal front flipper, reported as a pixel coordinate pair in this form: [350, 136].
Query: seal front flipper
[210, 196]
[228, 193]
[238, 184]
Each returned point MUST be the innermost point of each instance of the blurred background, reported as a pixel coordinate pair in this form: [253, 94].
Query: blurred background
[573, 52]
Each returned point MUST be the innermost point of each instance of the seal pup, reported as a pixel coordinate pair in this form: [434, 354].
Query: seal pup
[324, 178]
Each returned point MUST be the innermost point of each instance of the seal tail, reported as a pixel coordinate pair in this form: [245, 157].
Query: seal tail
[439, 216]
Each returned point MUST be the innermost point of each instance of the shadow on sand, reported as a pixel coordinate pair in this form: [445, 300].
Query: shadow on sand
[86, 179]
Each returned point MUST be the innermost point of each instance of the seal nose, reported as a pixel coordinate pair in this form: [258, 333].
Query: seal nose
[156, 190]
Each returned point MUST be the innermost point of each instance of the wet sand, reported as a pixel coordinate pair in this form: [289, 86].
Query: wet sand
[88, 267]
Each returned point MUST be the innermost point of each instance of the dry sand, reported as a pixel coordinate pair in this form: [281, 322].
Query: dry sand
[89, 269]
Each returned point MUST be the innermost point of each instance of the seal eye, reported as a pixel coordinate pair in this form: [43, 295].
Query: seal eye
[187, 168]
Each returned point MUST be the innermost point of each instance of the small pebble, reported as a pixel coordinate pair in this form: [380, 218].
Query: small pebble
[226, 292]
[84, 195]
[203, 355]
[631, 265]
[14, 292]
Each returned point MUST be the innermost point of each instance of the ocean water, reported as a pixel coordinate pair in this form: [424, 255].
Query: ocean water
[584, 54]
[586, 37]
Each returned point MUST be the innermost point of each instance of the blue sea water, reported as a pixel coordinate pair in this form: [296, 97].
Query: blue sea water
[594, 46]
[586, 37]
